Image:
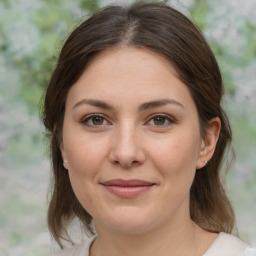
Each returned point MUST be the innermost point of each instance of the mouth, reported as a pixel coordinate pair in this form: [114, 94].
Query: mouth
[128, 188]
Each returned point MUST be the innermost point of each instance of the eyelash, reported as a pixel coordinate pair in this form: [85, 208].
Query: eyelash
[88, 118]
[167, 118]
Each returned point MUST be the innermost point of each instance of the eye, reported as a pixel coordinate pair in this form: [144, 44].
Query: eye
[95, 120]
[161, 120]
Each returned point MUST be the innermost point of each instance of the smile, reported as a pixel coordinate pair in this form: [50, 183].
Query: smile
[127, 188]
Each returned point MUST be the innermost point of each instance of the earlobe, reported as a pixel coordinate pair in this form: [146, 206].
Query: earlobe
[63, 154]
[209, 142]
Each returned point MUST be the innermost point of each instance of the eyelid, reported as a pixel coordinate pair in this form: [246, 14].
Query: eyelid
[87, 117]
[169, 118]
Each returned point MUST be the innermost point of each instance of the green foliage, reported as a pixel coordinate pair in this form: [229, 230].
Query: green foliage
[90, 5]
[198, 13]
[249, 32]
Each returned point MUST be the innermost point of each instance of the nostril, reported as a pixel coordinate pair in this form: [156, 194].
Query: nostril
[131, 164]
[116, 162]
[126, 164]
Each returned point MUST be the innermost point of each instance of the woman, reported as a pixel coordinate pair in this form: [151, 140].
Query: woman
[138, 137]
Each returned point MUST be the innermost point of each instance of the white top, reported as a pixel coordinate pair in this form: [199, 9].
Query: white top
[224, 245]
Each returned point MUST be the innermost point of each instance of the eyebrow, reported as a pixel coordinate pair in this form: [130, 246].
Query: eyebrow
[159, 103]
[96, 103]
[142, 107]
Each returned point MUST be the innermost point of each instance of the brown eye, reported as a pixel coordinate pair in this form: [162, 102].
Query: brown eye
[97, 120]
[159, 120]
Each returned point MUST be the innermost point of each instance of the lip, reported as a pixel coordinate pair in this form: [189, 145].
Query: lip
[127, 188]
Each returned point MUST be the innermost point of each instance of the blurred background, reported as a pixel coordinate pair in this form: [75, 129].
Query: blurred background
[31, 35]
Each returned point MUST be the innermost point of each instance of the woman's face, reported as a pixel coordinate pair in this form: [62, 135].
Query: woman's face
[131, 138]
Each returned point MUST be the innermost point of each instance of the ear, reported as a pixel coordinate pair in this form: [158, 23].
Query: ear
[209, 142]
[64, 157]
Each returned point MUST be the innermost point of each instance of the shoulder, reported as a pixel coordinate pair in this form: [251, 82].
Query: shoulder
[78, 250]
[228, 245]
[249, 251]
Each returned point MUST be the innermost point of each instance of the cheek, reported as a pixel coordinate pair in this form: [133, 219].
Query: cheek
[176, 158]
[85, 158]
[175, 152]
[84, 154]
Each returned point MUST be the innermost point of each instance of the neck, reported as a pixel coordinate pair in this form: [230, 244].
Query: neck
[176, 239]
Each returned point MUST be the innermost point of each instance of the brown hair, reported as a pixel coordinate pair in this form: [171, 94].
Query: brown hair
[160, 28]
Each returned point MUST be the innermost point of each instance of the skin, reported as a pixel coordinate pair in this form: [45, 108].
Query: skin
[158, 143]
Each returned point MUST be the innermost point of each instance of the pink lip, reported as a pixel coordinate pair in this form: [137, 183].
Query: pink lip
[127, 188]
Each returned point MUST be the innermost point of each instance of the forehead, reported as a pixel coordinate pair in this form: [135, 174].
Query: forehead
[129, 75]
[130, 59]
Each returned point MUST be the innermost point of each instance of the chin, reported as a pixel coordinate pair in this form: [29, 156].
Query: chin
[131, 228]
[128, 221]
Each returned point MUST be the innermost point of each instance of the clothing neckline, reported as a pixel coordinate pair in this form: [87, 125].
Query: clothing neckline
[221, 245]
[213, 244]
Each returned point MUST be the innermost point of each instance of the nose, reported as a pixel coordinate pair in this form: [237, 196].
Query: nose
[127, 149]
